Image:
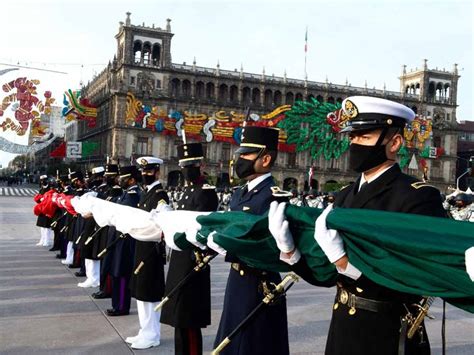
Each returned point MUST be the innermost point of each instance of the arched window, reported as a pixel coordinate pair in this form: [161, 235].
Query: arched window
[310, 97]
[199, 90]
[186, 88]
[223, 93]
[256, 96]
[175, 85]
[268, 99]
[331, 100]
[320, 98]
[339, 100]
[234, 94]
[299, 97]
[447, 91]
[146, 53]
[417, 89]
[439, 91]
[210, 91]
[277, 98]
[156, 54]
[246, 96]
[290, 98]
[137, 52]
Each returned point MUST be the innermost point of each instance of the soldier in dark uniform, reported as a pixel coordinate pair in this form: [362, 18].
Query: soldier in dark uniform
[43, 221]
[107, 234]
[189, 310]
[373, 323]
[74, 224]
[148, 280]
[267, 333]
[91, 261]
[124, 248]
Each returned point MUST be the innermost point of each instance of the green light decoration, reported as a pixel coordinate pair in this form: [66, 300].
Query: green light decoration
[307, 126]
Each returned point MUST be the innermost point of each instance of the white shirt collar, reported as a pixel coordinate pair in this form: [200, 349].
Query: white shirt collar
[373, 178]
[149, 187]
[131, 187]
[253, 183]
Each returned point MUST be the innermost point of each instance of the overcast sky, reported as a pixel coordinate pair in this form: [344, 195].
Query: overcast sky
[357, 40]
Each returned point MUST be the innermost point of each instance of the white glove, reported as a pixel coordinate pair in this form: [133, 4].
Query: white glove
[328, 239]
[214, 246]
[278, 226]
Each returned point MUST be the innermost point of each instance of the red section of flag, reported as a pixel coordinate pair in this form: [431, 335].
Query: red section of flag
[59, 152]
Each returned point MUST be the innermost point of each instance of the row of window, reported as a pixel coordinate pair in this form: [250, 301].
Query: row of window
[225, 93]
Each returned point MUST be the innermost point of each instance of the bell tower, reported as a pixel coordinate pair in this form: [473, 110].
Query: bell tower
[143, 46]
[435, 89]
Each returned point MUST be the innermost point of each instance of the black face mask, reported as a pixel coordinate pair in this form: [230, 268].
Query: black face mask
[364, 157]
[191, 173]
[124, 183]
[148, 179]
[110, 180]
[244, 167]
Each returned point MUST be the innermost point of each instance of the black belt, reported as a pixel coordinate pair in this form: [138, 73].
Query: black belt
[244, 270]
[355, 302]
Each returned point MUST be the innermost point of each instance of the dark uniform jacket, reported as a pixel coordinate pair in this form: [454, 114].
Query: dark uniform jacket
[267, 333]
[149, 284]
[191, 306]
[43, 220]
[124, 249]
[368, 332]
[107, 234]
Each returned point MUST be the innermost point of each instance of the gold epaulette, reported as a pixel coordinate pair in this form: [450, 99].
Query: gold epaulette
[419, 184]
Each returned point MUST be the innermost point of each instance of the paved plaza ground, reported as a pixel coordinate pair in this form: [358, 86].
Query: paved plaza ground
[42, 311]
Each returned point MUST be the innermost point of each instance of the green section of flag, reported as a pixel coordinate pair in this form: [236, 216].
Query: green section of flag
[410, 253]
[89, 148]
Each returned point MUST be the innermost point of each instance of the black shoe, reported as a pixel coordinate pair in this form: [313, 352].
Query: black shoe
[115, 312]
[100, 295]
[59, 256]
[72, 266]
[53, 249]
[80, 273]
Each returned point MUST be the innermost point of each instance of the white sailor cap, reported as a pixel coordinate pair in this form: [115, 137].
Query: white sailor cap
[98, 170]
[43, 177]
[366, 113]
[149, 162]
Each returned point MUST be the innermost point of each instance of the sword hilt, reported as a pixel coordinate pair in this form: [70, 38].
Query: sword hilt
[102, 253]
[161, 304]
[139, 267]
[280, 288]
[221, 346]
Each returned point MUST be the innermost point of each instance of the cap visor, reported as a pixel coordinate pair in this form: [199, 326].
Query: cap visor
[189, 162]
[246, 150]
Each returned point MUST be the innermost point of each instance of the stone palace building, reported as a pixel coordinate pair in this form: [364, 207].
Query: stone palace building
[142, 66]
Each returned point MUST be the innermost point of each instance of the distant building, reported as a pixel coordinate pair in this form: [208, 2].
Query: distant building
[142, 66]
[465, 152]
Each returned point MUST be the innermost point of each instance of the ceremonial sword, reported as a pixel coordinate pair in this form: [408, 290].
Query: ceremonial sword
[199, 267]
[279, 291]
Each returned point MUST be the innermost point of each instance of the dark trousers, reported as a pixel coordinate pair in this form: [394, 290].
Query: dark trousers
[105, 282]
[121, 297]
[187, 341]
